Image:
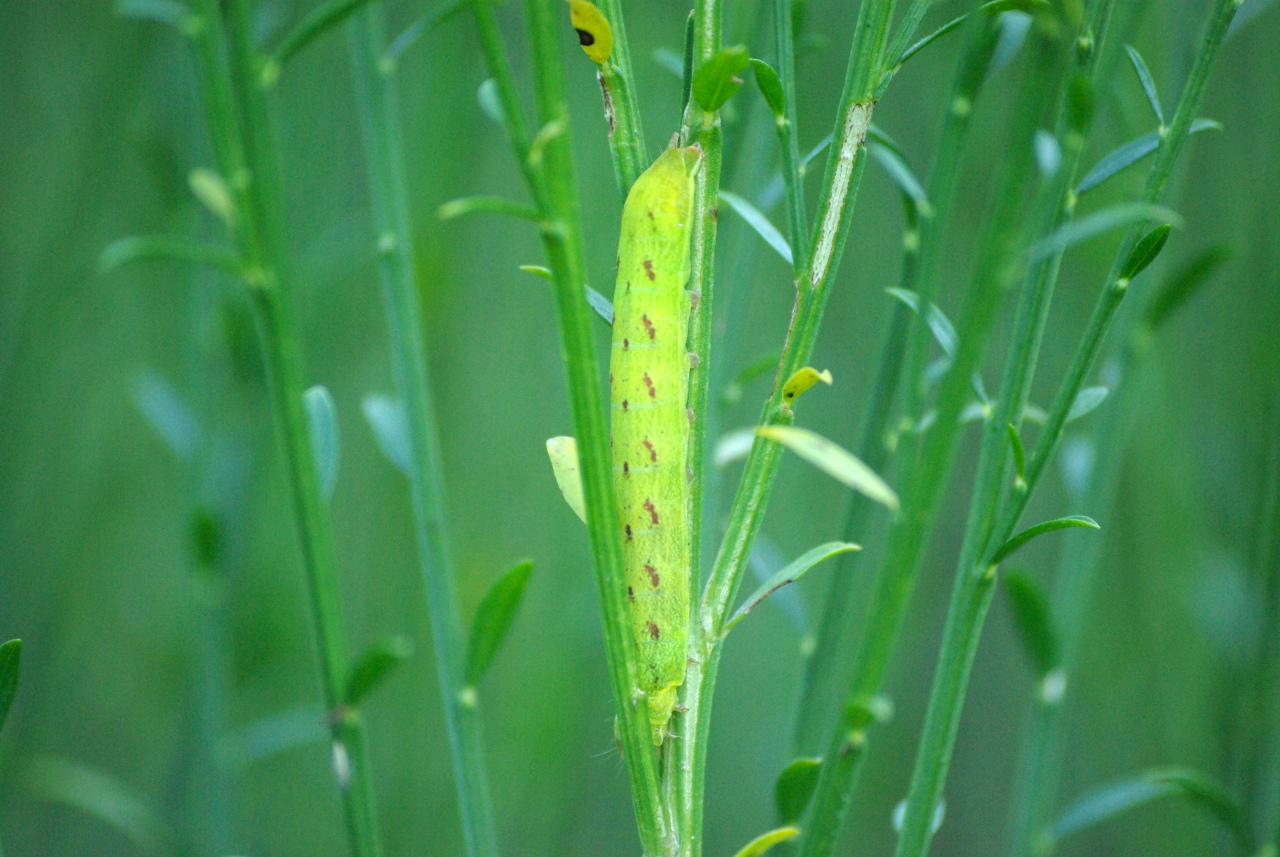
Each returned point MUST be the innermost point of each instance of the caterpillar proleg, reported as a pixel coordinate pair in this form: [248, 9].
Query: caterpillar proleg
[649, 426]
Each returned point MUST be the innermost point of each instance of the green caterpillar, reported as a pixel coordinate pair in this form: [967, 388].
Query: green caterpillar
[648, 389]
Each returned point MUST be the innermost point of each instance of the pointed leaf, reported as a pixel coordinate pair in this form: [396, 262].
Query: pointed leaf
[168, 414]
[273, 734]
[1145, 251]
[491, 103]
[1148, 85]
[1038, 530]
[895, 166]
[1031, 620]
[943, 330]
[1014, 27]
[106, 798]
[770, 87]
[1112, 800]
[600, 304]
[1086, 400]
[833, 460]
[789, 574]
[992, 8]
[487, 204]
[757, 221]
[374, 667]
[390, 425]
[322, 423]
[765, 561]
[794, 788]
[1097, 223]
[1178, 288]
[143, 248]
[822, 146]
[10, 665]
[563, 452]
[1130, 153]
[493, 619]
[765, 841]
[1019, 454]
[717, 80]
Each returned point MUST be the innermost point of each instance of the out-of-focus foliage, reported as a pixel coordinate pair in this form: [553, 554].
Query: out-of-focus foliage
[150, 564]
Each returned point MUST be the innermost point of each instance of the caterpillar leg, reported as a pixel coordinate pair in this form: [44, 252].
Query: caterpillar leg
[661, 704]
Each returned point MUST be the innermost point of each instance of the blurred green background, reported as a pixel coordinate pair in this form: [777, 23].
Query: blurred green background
[177, 693]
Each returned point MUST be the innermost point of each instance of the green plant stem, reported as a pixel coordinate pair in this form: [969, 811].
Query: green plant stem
[975, 585]
[923, 245]
[380, 127]
[554, 186]
[788, 135]
[617, 86]
[844, 172]
[924, 472]
[1038, 773]
[247, 160]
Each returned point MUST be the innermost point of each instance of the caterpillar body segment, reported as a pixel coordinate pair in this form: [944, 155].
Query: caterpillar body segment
[649, 426]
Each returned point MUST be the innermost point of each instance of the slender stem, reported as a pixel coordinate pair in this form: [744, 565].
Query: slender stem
[844, 172]
[788, 135]
[924, 473]
[920, 268]
[246, 156]
[617, 86]
[380, 127]
[1038, 772]
[554, 185]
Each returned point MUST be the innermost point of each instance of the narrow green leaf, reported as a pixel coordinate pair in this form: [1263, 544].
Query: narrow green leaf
[833, 460]
[441, 13]
[764, 561]
[1019, 454]
[1130, 153]
[1086, 400]
[717, 80]
[1179, 287]
[563, 452]
[992, 8]
[770, 87]
[1014, 26]
[104, 797]
[686, 65]
[490, 103]
[1119, 797]
[1148, 84]
[600, 304]
[1038, 530]
[943, 330]
[794, 788]
[271, 735]
[733, 446]
[756, 368]
[1097, 223]
[322, 423]
[1031, 620]
[899, 172]
[169, 12]
[758, 222]
[1145, 251]
[789, 574]
[821, 147]
[374, 667]
[390, 425]
[10, 665]
[493, 619]
[318, 21]
[145, 248]
[168, 414]
[765, 841]
[488, 205]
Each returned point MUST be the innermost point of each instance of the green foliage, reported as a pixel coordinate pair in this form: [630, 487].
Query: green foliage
[493, 619]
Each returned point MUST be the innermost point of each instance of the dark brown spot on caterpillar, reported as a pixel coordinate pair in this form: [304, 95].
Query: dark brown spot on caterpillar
[626, 343]
[653, 575]
[653, 630]
[648, 269]
[626, 470]
[648, 325]
[624, 404]
[652, 510]
[650, 213]
[585, 39]
[628, 529]
[653, 453]
[648, 382]
[631, 594]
